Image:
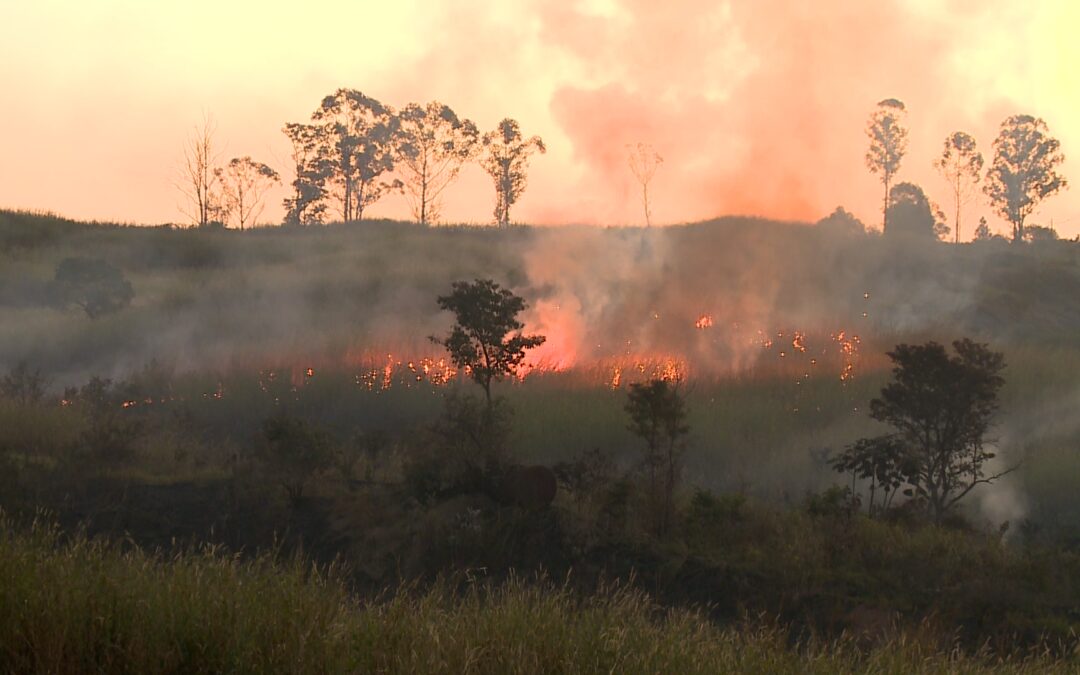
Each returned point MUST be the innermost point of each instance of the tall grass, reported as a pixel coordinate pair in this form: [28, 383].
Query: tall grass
[73, 605]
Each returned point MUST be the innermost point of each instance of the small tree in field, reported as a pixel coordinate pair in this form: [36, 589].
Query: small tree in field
[880, 461]
[942, 407]
[486, 337]
[93, 285]
[293, 452]
[657, 411]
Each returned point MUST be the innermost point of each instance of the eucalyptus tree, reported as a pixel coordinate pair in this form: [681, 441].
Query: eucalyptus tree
[243, 185]
[960, 164]
[356, 141]
[1024, 170]
[432, 145]
[888, 143]
[505, 158]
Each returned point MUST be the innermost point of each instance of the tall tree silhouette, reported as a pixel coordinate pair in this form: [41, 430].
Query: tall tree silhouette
[356, 138]
[307, 204]
[198, 181]
[644, 161]
[960, 164]
[888, 143]
[506, 159]
[433, 144]
[1024, 170]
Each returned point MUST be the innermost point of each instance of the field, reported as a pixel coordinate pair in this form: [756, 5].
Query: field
[777, 333]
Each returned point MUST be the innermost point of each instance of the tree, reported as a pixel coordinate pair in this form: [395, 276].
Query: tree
[880, 461]
[506, 159]
[1024, 170]
[94, 285]
[982, 232]
[912, 214]
[486, 337]
[888, 143]
[433, 144]
[294, 451]
[657, 411]
[942, 406]
[843, 223]
[243, 184]
[960, 164]
[307, 205]
[24, 385]
[198, 181]
[644, 161]
[1040, 233]
[355, 140]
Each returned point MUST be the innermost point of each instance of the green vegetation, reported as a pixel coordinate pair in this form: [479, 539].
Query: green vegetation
[72, 605]
[273, 390]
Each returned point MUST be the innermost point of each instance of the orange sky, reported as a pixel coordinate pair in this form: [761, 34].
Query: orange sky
[758, 106]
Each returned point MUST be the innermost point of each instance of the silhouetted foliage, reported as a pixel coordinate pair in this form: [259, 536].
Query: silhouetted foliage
[1040, 233]
[880, 461]
[888, 143]
[307, 205]
[941, 407]
[432, 145]
[1024, 170]
[293, 451]
[243, 183]
[657, 411]
[912, 214]
[486, 337]
[960, 164]
[91, 284]
[506, 159]
[842, 222]
[982, 232]
[355, 149]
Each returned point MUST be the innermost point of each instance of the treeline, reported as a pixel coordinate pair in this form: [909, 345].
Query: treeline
[1022, 173]
[352, 152]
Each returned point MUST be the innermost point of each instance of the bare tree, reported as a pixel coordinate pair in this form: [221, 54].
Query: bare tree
[888, 143]
[1024, 170]
[506, 159]
[198, 181]
[960, 164]
[644, 161]
[433, 144]
[243, 184]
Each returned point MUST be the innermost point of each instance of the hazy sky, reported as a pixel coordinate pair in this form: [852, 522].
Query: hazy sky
[757, 106]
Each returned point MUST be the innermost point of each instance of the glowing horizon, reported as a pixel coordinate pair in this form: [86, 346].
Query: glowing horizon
[758, 108]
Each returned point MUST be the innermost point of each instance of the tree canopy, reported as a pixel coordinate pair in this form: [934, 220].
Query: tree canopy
[942, 407]
[506, 159]
[1024, 170]
[486, 337]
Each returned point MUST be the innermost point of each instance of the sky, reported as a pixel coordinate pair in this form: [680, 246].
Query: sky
[758, 107]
